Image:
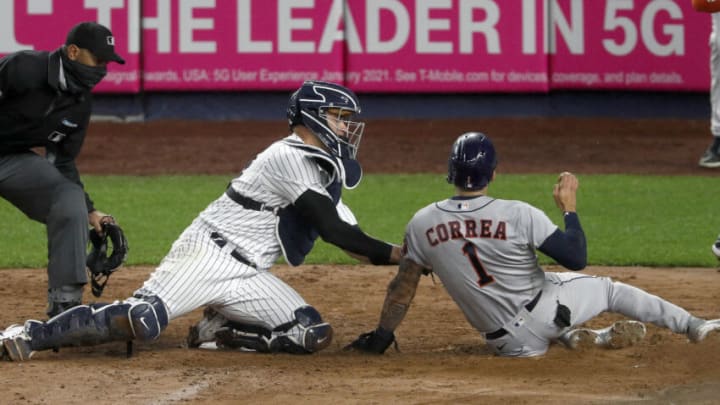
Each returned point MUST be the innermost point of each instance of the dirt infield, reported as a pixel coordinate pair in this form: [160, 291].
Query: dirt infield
[441, 358]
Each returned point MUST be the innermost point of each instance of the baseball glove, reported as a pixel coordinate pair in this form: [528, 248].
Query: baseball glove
[376, 341]
[101, 265]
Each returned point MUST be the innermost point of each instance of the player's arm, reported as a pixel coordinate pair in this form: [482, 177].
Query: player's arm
[706, 6]
[400, 294]
[568, 248]
[395, 255]
[319, 210]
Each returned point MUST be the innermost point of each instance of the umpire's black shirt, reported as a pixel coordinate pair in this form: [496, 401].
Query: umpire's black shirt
[37, 109]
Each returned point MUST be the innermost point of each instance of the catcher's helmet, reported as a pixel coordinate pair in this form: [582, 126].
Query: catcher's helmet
[309, 107]
[472, 161]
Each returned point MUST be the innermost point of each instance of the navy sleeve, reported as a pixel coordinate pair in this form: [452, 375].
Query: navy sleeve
[568, 248]
[320, 211]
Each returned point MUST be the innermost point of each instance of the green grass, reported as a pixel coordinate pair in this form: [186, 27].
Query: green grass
[628, 220]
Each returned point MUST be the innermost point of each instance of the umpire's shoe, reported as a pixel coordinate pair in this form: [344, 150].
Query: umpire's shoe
[621, 334]
[16, 343]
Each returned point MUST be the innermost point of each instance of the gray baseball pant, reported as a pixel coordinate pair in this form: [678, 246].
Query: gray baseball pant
[41, 192]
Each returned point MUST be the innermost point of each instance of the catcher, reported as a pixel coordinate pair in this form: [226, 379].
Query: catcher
[483, 250]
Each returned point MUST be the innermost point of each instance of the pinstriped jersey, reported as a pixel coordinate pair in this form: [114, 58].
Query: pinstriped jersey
[483, 250]
[277, 177]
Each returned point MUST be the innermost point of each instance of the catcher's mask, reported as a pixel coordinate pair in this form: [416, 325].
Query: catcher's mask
[472, 161]
[100, 265]
[329, 111]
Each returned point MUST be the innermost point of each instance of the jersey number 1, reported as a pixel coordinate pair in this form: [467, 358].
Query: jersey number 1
[470, 251]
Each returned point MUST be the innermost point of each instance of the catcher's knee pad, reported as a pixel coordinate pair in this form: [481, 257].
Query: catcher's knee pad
[307, 333]
[147, 318]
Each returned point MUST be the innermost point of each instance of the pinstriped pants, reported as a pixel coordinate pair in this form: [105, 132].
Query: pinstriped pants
[197, 273]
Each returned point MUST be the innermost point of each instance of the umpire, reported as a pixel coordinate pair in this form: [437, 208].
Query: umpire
[45, 101]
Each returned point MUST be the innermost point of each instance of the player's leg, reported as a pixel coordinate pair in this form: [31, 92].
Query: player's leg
[39, 190]
[711, 157]
[588, 296]
[195, 273]
[263, 314]
[88, 325]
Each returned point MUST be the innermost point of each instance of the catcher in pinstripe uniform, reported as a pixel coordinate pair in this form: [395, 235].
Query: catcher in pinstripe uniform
[284, 199]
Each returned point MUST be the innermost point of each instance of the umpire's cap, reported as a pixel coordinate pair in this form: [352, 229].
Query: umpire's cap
[95, 38]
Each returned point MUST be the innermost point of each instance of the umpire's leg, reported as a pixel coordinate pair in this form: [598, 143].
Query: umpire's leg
[39, 190]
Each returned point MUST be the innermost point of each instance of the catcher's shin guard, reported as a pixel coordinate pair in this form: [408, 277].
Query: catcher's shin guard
[244, 336]
[314, 334]
[306, 333]
[82, 326]
[100, 323]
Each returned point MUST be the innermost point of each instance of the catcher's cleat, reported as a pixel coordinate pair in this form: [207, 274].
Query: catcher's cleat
[621, 334]
[16, 343]
[205, 330]
[698, 329]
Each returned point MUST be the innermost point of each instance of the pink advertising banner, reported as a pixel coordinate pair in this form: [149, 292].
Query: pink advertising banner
[44, 24]
[449, 46]
[631, 45]
[240, 44]
[382, 45]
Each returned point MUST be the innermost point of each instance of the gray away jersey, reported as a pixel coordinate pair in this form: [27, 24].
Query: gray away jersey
[483, 251]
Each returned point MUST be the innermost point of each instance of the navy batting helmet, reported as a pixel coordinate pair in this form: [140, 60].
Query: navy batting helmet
[309, 107]
[472, 161]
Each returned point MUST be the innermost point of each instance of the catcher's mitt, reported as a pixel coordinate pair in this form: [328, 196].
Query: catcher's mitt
[99, 264]
[376, 341]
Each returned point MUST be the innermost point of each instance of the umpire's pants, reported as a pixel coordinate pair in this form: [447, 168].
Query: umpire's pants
[39, 190]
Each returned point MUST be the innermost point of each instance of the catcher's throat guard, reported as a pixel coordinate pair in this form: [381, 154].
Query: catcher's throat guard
[100, 262]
